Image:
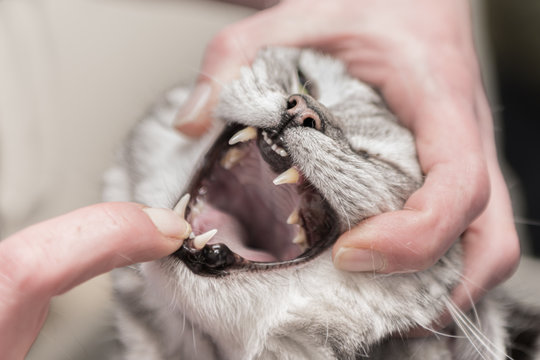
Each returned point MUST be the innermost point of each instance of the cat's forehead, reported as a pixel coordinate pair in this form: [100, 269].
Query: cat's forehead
[333, 84]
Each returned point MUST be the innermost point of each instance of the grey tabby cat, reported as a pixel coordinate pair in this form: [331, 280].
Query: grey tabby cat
[302, 153]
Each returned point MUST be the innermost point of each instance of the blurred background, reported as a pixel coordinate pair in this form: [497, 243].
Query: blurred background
[513, 28]
[75, 75]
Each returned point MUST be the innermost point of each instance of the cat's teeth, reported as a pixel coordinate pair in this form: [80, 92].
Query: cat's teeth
[290, 176]
[277, 149]
[300, 238]
[180, 207]
[232, 157]
[197, 208]
[246, 134]
[281, 152]
[294, 218]
[266, 138]
[201, 240]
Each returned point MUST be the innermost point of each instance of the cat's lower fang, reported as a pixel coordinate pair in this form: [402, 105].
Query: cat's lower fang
[246, 134]
[180, 208]
[232, 157]
[290, 176]
[201, 240]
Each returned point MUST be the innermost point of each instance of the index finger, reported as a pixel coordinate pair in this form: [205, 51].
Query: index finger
[50, 258]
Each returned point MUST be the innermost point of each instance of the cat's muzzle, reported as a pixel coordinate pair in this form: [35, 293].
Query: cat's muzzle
[267, 215]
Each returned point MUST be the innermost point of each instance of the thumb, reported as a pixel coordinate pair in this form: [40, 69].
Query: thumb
[195, 116]
[234, 47]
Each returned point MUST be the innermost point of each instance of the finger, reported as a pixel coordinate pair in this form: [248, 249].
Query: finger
[491, 245]
[51, 257]
[232, 48]
[454, 193]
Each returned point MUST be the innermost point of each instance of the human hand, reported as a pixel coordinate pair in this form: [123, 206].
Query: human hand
[420, 55]
[52, 257]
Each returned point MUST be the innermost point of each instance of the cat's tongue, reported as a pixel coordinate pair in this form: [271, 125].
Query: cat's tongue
[229, 232]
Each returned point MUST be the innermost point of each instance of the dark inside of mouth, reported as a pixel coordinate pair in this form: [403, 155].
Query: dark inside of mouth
[233, 193]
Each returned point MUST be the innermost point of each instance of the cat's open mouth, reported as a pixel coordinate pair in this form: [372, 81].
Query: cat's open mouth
[266, 213]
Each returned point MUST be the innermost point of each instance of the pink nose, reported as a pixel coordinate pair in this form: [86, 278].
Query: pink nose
[301, 113]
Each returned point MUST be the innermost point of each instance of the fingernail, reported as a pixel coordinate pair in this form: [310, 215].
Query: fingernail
[351, 259]
[168, 223]
[193, 105]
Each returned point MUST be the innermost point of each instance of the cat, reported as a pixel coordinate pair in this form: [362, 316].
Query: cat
[300, 152]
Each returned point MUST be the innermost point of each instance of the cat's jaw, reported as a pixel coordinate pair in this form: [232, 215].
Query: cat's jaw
[261, 223]
[249, 314]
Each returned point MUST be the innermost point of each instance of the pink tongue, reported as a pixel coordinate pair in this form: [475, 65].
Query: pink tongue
[230, 232]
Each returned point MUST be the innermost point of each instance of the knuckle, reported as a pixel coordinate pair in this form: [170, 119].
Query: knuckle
[480, 186]
[509, 258]
[225, 43]
[430, 252]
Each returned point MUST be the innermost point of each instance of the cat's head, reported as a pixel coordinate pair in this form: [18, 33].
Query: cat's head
[307, 153]
[265, 284]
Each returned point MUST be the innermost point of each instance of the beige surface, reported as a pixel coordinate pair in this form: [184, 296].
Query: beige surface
[74, 76]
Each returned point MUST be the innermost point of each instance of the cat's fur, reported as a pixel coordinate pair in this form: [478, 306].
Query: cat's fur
[363, 163]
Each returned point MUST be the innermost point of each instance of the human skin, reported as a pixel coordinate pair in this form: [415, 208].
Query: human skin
[420, 55]
[50, 258]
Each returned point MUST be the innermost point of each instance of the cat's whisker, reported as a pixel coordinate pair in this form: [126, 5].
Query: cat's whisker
[290, 176]
[525, 221]
[246, 134]
[201, 240]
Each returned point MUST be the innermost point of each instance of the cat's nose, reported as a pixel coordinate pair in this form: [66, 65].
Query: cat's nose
[300, 109]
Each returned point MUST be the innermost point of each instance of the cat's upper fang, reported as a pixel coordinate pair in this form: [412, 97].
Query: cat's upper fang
[290, 176]
[246, 134]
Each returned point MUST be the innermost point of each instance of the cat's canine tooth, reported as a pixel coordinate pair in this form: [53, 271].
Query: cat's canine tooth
[232, 157]
[290, 176]
[294, 218]
[246, 134]
[201, 240]
[180, 208]
[300, 238]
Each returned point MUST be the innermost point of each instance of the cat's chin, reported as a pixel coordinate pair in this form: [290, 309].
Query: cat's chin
[264, 220]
